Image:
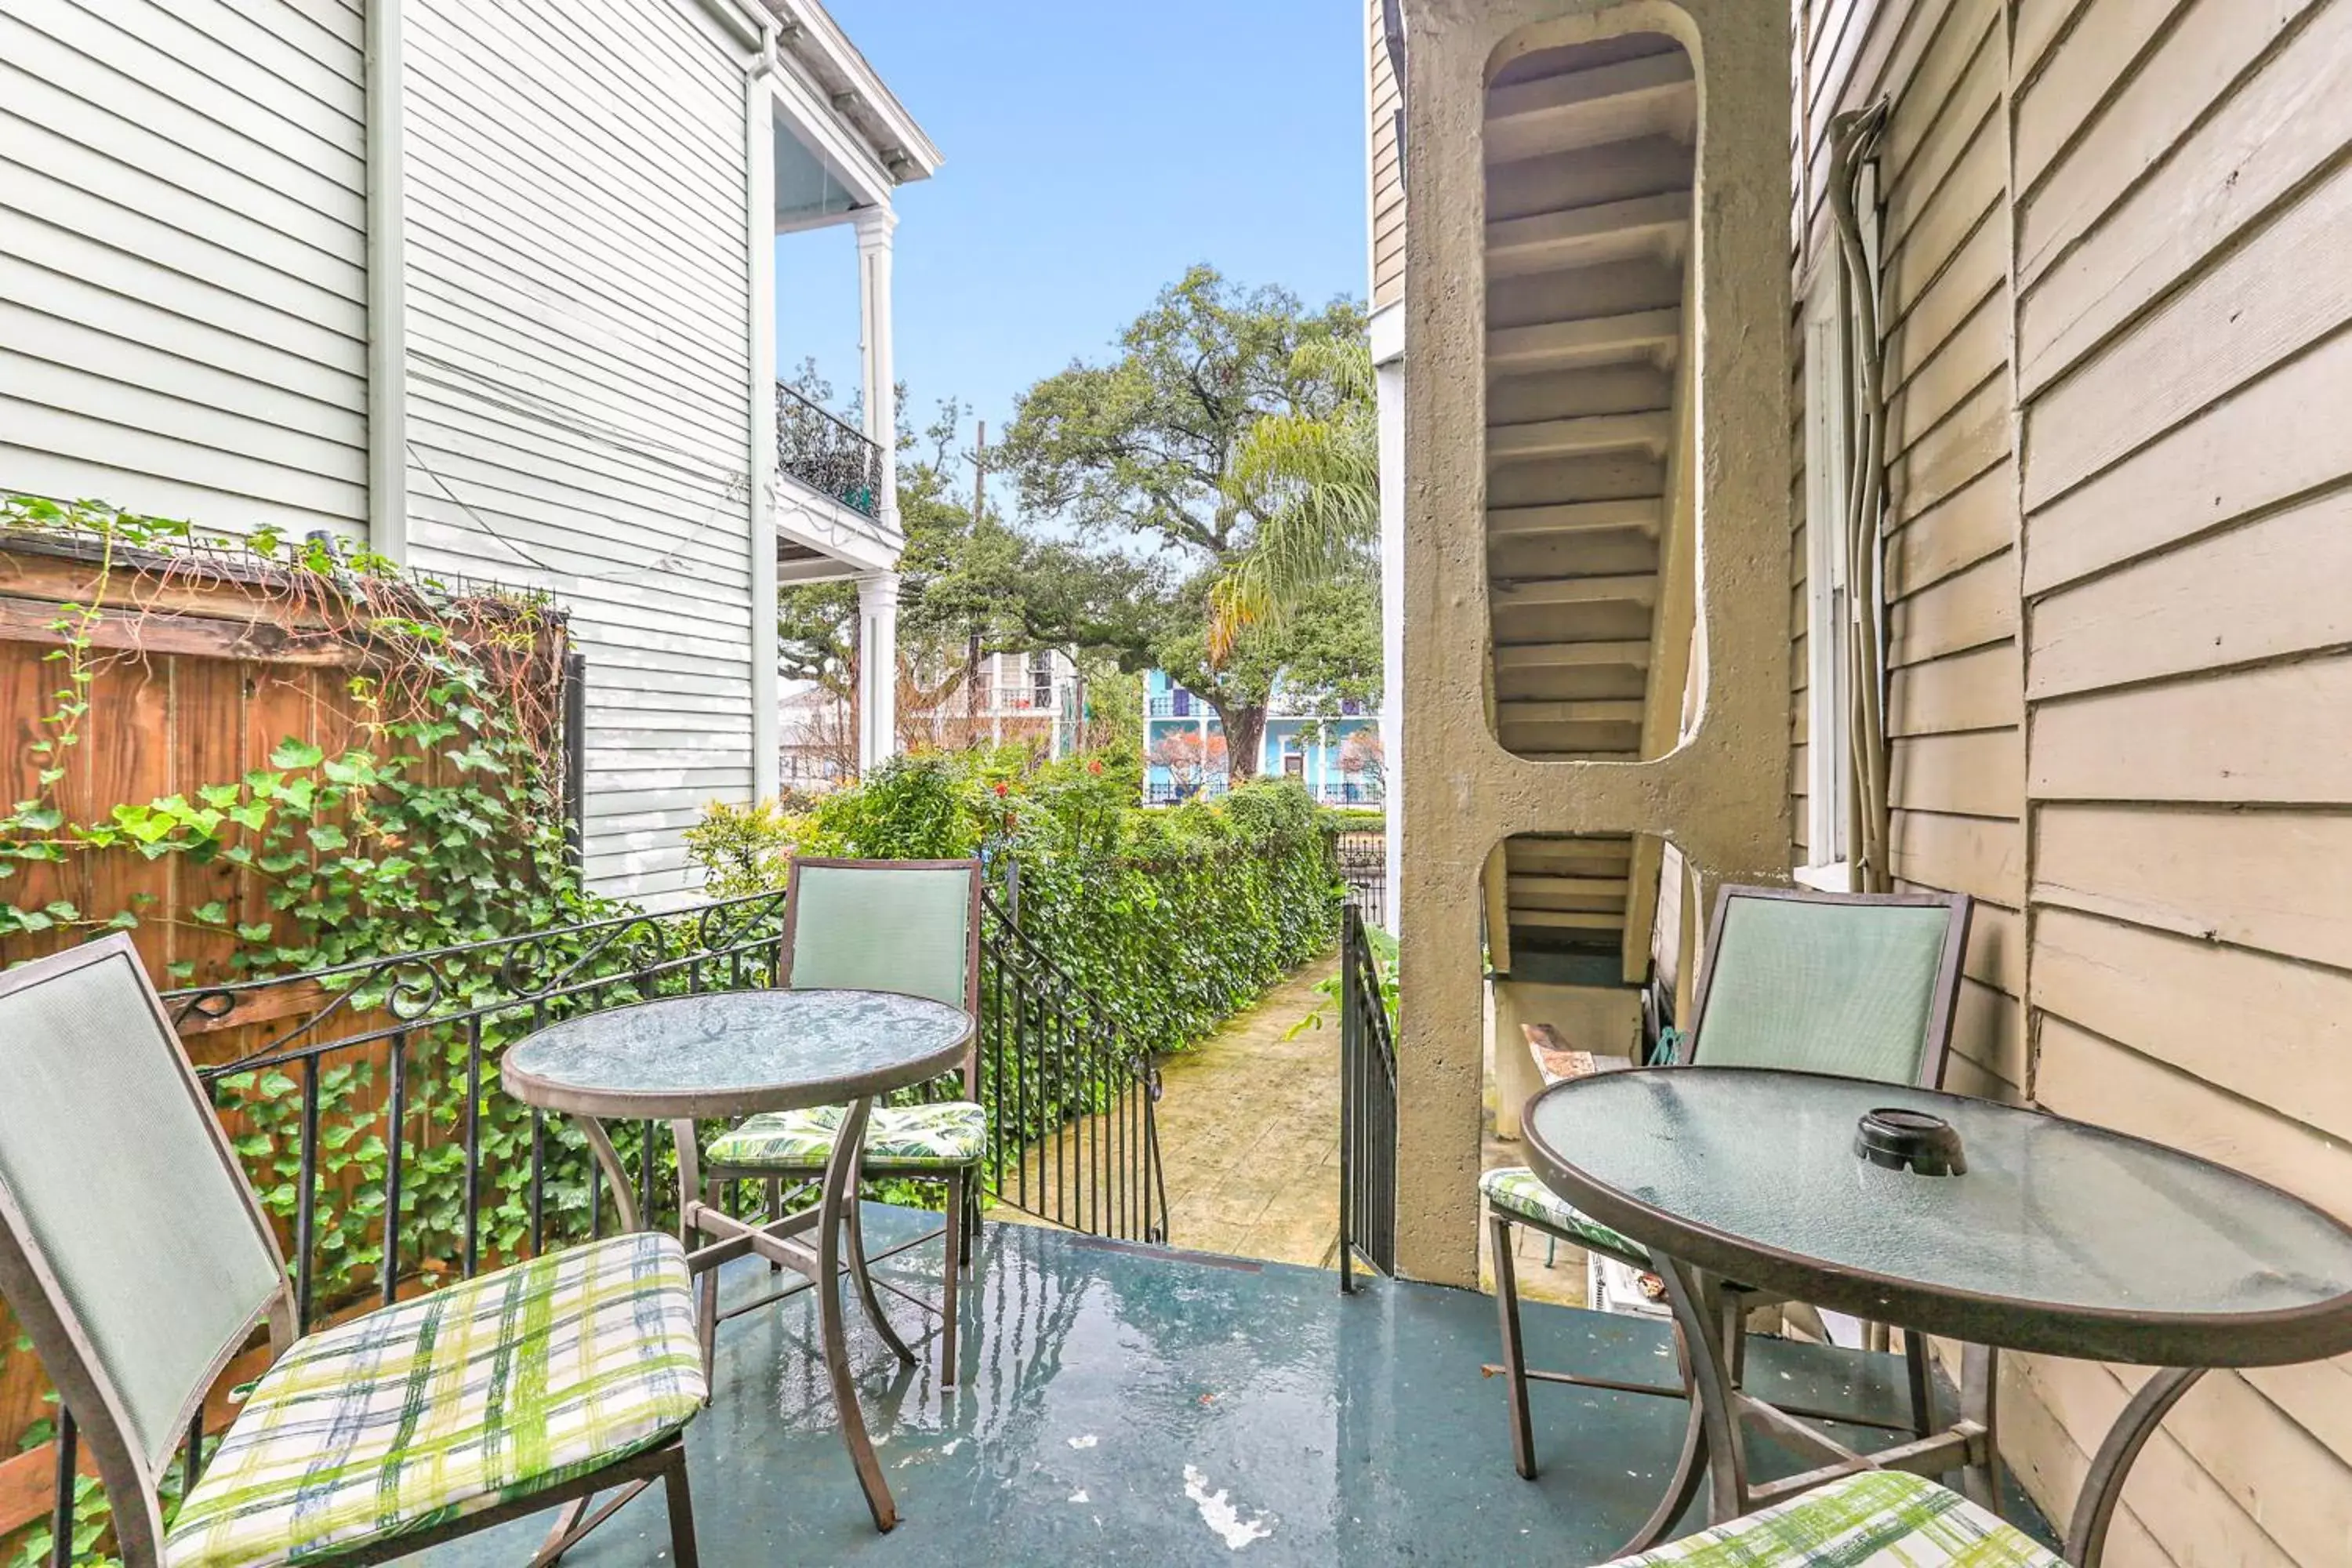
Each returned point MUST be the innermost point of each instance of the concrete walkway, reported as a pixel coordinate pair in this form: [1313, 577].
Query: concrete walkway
[1249, 1132]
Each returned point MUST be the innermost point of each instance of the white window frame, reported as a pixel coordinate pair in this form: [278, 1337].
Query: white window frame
[1828, 619]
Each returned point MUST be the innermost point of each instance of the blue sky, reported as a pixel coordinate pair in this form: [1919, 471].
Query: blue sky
[1094, 149]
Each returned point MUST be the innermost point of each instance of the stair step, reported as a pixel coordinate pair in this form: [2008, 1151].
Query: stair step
[1652, 96]
[1638, 336]
[1655, 226]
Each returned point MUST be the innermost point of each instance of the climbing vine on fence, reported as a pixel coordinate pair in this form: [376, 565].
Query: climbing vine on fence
[439, 821]
[1174, 918]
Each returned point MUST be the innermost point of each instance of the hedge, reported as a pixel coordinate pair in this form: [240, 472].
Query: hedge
[1175, 918]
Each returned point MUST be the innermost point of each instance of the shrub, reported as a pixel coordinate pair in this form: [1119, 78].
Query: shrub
[1174, 918]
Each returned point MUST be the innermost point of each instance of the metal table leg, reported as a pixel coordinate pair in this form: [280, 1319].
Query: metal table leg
[2103, 1488]
[841, 1187]
[1712, 1326]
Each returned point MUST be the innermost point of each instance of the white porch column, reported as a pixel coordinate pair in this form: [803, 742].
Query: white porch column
[873, 229]
[878, 669]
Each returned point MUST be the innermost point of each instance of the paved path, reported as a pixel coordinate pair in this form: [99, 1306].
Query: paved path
[1249, 1132]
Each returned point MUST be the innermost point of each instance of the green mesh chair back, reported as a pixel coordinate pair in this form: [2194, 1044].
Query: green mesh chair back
[131, 1247]
[885, 925]
[1856, 984]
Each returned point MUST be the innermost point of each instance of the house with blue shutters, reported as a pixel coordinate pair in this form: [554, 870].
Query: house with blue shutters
[1330, 744]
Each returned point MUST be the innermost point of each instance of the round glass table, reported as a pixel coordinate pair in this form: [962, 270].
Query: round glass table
[2058, 1237]
[739, 1053]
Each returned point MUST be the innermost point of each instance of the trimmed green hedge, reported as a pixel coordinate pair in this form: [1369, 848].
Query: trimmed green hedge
[1175, 918]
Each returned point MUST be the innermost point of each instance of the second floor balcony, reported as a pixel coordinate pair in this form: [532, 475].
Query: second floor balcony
[826, 453]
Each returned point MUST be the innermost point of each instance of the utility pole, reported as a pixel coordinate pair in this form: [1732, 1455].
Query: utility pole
[971, 646]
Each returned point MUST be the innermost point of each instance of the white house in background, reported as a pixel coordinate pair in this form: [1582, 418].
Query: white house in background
[490, 286]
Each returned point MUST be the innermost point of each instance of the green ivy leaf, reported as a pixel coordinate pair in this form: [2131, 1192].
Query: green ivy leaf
[292, 752]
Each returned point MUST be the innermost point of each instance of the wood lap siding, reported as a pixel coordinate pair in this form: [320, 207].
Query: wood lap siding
[578, 343]
[182, 258]
[1386, 174]
[2120, 493]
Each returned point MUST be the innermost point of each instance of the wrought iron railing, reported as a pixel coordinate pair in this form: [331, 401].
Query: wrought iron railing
[1364, 868]
[827, 454]
[1074, 1139]
[363, 1100]
[1368, 1107]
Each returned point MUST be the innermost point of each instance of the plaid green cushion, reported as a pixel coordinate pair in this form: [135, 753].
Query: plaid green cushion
[1880, 1519]
[943, 1137]
[1521, 1193]
[453, 1403]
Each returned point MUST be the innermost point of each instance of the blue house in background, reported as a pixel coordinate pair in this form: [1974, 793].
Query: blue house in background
[1329, 744]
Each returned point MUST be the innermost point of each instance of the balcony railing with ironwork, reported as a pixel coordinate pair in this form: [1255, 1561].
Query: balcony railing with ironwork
[826, 454]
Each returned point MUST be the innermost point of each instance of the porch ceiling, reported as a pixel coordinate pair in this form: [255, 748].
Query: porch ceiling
[1127, 1406]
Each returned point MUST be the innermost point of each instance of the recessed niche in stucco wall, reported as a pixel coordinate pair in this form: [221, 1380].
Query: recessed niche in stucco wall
[1589, 153]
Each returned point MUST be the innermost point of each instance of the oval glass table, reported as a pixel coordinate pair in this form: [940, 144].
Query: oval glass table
[2058, 1237]
[733, 1054]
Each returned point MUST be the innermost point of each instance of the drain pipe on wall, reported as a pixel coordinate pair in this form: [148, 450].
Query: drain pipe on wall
[757, 32]
[1854, 148]
[760, 245]
[387, 288]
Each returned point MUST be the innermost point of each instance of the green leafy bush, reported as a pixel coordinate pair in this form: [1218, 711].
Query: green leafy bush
[1172, 918]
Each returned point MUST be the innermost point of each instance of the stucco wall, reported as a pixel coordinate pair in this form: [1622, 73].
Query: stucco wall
[1720, 794]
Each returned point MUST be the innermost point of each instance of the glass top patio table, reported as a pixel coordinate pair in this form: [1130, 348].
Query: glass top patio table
[2061, 1237]
[735, 1053]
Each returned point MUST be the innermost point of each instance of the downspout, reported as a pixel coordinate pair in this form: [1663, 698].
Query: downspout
[760, 250]
[387, 289]
[1854, 145]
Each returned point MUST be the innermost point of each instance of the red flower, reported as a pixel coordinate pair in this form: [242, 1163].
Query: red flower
[1093, 765]
[1003, 788]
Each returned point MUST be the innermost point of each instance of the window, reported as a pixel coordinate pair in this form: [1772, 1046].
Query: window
[1831, 620]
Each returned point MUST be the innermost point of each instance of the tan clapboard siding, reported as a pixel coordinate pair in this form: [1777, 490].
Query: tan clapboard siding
[2275, 735]
[2194, 1006]
[2119, 525]
[2214, 40]
[1387, 176]
[2267, 880]
[2274, 295]
[1976, 691]
[2290, 117]
[1974, 523]
[2234, 598]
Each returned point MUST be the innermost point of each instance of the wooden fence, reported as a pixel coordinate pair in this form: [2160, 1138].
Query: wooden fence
[200, 669]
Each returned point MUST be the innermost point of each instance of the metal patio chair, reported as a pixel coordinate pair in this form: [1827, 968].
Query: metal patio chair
[1859, 984]
[136, 1255]
[1878, 1516]
[910, 926]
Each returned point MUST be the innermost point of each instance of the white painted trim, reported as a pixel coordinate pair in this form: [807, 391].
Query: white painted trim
[387, 286]
[1385, 333]
[855, 543]
[810, 118]
[1828, 458]
[1835, 877]
[760, 270]
[878, 340]
[877, 669]
[750, 30]
[819, 34]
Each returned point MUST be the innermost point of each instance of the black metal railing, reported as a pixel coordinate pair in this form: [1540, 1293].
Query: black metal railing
[362, 1100]
[1074, 1139]
[1364, 868]
[1368, 1107]
[826, 453]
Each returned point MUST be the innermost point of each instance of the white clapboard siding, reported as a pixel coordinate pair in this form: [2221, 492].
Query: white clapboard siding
[579, 340]
[182, 258]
